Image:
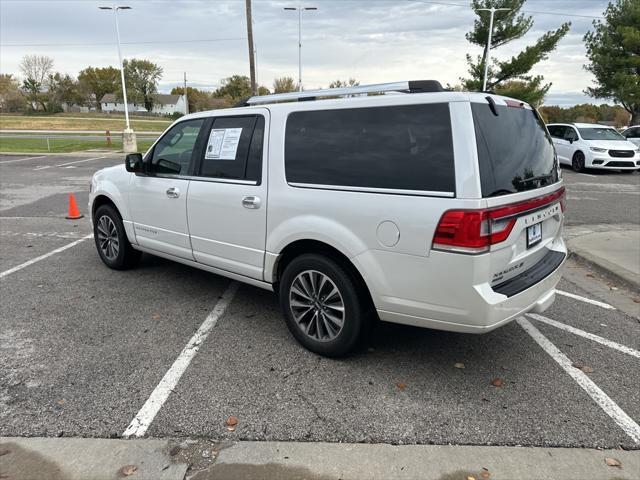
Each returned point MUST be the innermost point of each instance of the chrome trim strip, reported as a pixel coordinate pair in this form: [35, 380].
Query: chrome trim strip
[207, 179]
[347, 188]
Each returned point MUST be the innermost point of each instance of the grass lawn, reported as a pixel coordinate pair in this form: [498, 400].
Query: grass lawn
[62, 145]
[94, 121]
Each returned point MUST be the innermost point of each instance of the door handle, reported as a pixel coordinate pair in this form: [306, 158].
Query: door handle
[173, 192]
[251, 202]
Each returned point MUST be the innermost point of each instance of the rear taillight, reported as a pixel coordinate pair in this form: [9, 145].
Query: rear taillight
[474, 231]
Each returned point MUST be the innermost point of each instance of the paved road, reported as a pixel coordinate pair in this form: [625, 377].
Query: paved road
[82, 348]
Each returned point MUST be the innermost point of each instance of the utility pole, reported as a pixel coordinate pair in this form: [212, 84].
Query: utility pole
[300, 8]
[488, 49]
[129, 144]
[186, 99]
[252, 65]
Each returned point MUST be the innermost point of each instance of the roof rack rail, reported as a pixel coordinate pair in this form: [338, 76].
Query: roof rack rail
[413, 86]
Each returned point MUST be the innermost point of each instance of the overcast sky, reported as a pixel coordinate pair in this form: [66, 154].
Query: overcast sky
[370, 40]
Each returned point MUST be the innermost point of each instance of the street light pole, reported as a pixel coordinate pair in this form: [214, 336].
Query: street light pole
[128, 137]
[488, 49]
[300, 8]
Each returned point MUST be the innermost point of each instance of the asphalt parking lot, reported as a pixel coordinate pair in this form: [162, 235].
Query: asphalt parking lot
[83, 348]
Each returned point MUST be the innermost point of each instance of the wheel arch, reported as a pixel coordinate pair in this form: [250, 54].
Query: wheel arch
[304, 246]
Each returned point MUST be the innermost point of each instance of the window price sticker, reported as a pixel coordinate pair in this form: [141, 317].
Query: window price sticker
[223, 144]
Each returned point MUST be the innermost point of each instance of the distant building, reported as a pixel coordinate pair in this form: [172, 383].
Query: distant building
[162, 104]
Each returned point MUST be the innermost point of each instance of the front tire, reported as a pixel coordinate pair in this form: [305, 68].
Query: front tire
[322, 305]
[577, 162]
[111, 240]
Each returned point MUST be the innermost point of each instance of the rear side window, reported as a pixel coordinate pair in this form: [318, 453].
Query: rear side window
[234, 148]
[514, 151]
[406, 147]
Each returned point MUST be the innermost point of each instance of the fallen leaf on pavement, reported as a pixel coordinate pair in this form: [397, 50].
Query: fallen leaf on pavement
[128, 470]
[590, 275]
[485, 473]
[401, 385]
[497, 382]
[61, 401]
[231, 429]
[636, 300]
[471, 478]
[232, 421]
[583, 367]
[4, 451]
[459, 365]
[612, 462]
[155, 316]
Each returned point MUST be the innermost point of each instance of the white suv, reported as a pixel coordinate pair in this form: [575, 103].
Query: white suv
[430, 208]
[633, 134]
[588, 145]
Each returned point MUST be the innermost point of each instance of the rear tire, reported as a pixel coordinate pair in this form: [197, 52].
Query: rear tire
[323, 305]
[577, 162]
[110, 237]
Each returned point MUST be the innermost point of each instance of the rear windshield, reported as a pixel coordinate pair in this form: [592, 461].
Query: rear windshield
[515, 152]
[600, 134]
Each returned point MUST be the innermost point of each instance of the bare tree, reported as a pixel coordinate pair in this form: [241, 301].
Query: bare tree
[36, 67]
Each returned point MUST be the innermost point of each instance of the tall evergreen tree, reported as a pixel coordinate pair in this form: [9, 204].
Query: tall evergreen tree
[510, 77]
[613, 48]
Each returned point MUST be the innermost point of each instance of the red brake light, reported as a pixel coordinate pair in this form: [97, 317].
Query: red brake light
[474, 231]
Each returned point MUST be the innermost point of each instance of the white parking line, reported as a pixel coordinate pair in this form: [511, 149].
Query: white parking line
[590, 336]
[588, 175]
[611, 408]
[586, 300]
[81, 161]
[21, 159]
[43, 167]
[139, 425]
[42, 257]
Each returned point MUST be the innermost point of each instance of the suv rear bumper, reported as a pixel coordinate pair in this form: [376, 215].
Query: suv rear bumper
[453, 302]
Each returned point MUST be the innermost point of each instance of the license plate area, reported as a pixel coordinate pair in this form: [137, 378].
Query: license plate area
[534, 234]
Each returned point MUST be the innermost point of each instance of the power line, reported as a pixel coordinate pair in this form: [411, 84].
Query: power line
[536, 12]
[123, 43]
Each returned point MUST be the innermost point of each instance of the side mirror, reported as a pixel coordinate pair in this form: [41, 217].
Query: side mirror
[134, 163]
[571, 140]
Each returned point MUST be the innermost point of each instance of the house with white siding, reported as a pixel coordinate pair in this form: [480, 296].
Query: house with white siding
[162, 104]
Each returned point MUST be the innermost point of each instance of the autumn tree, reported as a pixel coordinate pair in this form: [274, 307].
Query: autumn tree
[284, 85]
[352, 82]
[36, 69]
[613, 49]
[94, 83]
[11, 98]
[233, 89]
[141, 78]
[63, 88]
[510, 77]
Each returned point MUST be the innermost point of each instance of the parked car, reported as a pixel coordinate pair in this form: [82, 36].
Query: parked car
[632, 134]
[431, 208]
[588, 145]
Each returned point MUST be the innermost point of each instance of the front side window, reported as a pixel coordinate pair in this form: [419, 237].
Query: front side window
[406, 147]
[570, 134]
[600, 134]
[233, 148]
[557, 131]
[172, 154]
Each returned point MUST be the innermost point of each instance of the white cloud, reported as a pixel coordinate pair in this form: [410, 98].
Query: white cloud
[371, 40]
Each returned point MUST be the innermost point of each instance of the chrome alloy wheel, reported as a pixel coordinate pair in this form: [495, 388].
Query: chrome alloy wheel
[108, 237]
[316, 305]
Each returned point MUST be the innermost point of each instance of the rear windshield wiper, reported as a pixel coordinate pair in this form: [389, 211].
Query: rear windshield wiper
[534, 179]
[502, 191]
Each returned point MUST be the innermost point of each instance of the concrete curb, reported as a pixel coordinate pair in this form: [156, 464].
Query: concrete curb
[156, 459]
[609, 270]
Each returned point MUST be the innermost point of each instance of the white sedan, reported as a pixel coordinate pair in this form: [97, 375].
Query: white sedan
[588, 145]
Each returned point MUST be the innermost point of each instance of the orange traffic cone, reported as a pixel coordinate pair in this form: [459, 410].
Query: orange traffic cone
[74, 212]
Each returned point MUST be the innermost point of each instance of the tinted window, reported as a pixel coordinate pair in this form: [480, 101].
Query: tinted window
[570, 134]
[403, 147]
[556, 131]
[172, 154]
[633, 133]
[234, 148]
[600, 134]
[514, 151]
